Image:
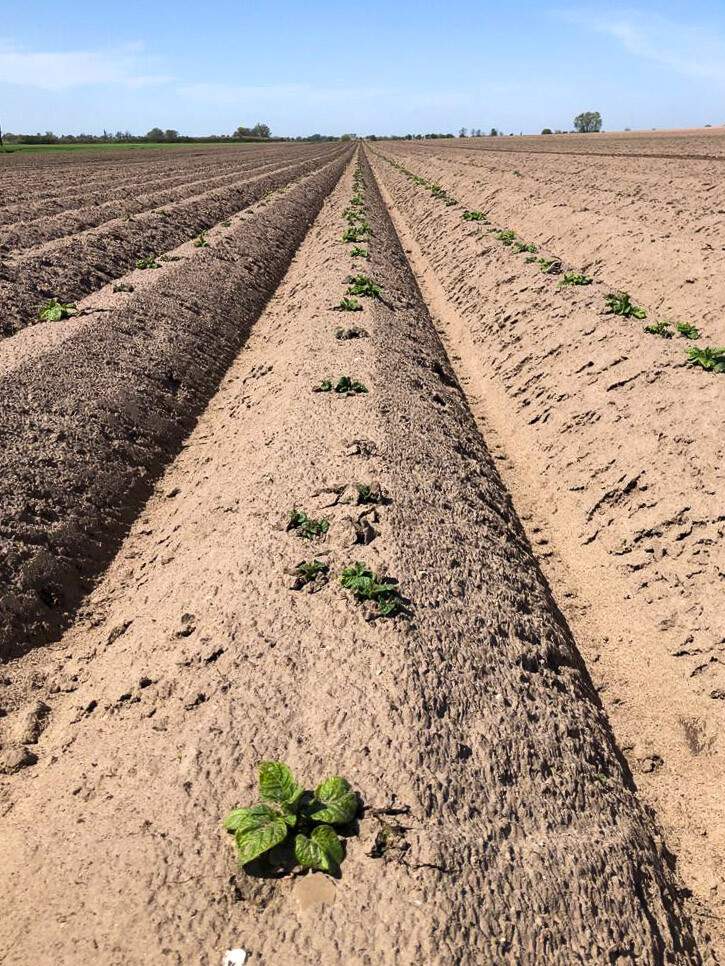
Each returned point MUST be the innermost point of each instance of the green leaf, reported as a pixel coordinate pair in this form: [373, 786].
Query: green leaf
[290, 814]
[255, 842]
[334, 803]
[310, 855]
[248, 819]
[277, 784]
[323, 850]
[327, 838]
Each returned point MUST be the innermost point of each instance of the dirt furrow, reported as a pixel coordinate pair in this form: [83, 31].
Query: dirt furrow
[70, 269]
[521, 838]
[35, 231]
[664, 245]
[73, 194]
[611, 446]
[89, 420]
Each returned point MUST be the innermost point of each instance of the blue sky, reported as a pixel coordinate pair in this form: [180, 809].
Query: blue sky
[393, 66]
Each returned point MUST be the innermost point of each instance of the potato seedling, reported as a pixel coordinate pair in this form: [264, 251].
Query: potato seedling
[661, 328]
[530, 259]
[362, 285]
[710, 358]
[440, 192]
[354, 234]
[122, 287]
[310, 571]
[370, 494]
[507, 236]
[148, 262]
[201, 241]
[288, 809]
[518, 247]
[307, 527]
[343, 385]
[54, 311]
[349, 305]
[619, 303]
[574, 278]
[687, 330]
[474, 216]
[382, 591]
[358, 252]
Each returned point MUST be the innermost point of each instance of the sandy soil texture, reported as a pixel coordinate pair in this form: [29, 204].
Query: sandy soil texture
[707, 143]
[73, 266]
[613, 449]
[91, 415]
[520, 836]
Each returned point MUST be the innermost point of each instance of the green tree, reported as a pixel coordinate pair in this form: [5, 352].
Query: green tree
[588, 122]
[547, 130]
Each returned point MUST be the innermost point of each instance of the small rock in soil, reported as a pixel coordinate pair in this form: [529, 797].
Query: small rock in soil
[14, 759]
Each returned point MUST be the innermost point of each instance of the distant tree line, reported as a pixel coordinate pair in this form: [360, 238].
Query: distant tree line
[260, 132]
[586, 122]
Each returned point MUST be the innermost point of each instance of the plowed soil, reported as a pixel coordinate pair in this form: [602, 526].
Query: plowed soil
[535, 743]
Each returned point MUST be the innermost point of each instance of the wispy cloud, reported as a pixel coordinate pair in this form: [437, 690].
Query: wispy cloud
[692, 50]
[125, 66]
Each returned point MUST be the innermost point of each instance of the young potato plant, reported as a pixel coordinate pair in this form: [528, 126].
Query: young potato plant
[519, 247]
[506, 235]
[344, 385]
[201, 241]
[370, 493]
[148, 262]
[574, 278]
[292, 825]
[382, 591]
[620, 303]
[55, 311]
[709, 358]
[474, 216]
[122, 287]
[687, 330]
[362, 285]
[310, 572]
[349, 305]
[307, 527]
[661, 328]
[358, 252]
[439, 192]
[355, 234]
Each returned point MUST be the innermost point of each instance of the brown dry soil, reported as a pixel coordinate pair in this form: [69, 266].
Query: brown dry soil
[153, 447]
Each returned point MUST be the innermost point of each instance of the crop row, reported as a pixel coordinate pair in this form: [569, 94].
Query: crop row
[292, 826]
[710, 358]
[67, 270]
[46, 228]
[102, 407]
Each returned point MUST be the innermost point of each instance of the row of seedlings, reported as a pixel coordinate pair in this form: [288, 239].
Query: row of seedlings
[294, 827]
[710, 358]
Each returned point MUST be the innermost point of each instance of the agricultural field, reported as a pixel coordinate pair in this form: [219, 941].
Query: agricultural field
[398, 463]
